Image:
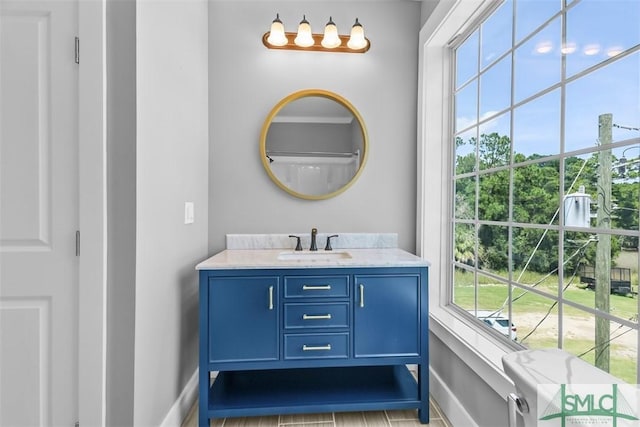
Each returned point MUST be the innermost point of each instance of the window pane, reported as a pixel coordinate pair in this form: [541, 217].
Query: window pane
[535, 258]
[467, 106]
[537, 235]
[578, 269]
[582, 275]
[493, 201]
[494, 148]
[495, 92]
[536, 185]
[625, 191]
[464, 250]
[580, 189]
[624, 281]
[536, 127]
[535, 319]
[493, 251]
[466, 151]
[464, 290]
[537, 62]
[465, 200]
[530, 14]
[618, 30]
[624, 353]
[467, 59]
[620, 344]
[496, 33]
[493, 305]
[582, 198]
[613, 89]
[492, 296]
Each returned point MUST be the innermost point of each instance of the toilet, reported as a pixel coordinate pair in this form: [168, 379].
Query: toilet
[530, 368]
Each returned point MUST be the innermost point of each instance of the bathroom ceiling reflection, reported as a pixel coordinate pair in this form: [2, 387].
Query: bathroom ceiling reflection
[313, 144]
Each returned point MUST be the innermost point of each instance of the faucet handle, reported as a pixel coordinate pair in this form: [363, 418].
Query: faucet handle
[328, 246]
[314, 233]
[298, 245]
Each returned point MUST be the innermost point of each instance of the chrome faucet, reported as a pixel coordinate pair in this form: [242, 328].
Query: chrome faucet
[314, 232]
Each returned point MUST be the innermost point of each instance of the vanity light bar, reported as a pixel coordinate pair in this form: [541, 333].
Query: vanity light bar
[304, 39]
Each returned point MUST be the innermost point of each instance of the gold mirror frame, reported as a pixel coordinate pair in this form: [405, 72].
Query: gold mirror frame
[303, 94]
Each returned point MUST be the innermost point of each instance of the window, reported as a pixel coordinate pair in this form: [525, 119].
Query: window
[545, 177]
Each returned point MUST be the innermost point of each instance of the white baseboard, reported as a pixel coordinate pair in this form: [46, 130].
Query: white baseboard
[448, 403]
[180, 408]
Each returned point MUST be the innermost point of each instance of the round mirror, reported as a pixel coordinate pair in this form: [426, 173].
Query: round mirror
[313, 144]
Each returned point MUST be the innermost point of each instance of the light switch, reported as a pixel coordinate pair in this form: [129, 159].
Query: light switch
[188, 212]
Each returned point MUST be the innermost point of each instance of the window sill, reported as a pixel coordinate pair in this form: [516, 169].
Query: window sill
[482, 353]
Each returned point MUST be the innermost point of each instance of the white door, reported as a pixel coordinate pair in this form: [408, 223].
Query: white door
[38, 213]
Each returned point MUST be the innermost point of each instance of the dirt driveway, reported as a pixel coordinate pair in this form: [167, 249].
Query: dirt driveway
[574, 328]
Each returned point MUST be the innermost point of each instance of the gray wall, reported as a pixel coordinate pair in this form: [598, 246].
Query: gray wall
[247, 80]
[157, 150]
[121, 204]
[171, 168]
[428, 6]
[486, 407]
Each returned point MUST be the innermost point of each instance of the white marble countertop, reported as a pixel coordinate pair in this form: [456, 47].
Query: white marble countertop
[271, 258]
[341, 241]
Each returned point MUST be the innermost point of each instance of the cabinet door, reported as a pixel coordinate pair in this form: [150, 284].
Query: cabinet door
[243, 319]
[387, 315]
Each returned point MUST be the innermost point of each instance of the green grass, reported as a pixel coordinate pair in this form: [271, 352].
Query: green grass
[492, 295]
[533, 307]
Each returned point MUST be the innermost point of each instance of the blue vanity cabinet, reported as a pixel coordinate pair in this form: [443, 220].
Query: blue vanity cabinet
[243, 319]
[309, 340]
[387, 315]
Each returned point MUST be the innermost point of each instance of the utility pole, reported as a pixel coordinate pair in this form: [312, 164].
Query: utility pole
[603, 249]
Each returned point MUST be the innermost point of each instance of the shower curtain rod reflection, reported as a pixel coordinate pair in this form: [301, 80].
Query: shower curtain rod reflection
[311, 153]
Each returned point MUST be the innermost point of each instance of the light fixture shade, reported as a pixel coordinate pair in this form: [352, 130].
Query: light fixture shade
[276, 35]
[357, 39]
[331, 39]
[304, 37]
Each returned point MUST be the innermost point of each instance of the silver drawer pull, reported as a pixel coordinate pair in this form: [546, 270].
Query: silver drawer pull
[316, 288]
[361, 295]
[316, 316]
[316, 348]
[270, 297]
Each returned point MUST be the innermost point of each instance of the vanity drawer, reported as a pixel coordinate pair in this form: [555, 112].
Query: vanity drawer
[316, 286]
[316, 346]
[320, 315]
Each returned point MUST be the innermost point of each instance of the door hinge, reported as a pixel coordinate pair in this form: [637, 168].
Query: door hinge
[77, 47]
[77, 242]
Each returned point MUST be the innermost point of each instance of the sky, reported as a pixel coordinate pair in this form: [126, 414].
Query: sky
[596, 31]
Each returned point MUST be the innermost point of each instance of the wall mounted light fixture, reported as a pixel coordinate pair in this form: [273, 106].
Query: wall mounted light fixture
[304, 39]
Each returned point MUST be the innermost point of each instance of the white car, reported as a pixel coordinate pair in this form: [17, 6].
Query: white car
[501, 324]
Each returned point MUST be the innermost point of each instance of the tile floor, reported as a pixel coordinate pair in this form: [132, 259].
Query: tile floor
[404, 418]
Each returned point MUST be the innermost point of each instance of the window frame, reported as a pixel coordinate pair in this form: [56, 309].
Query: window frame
[475, 345]
[450, 22]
